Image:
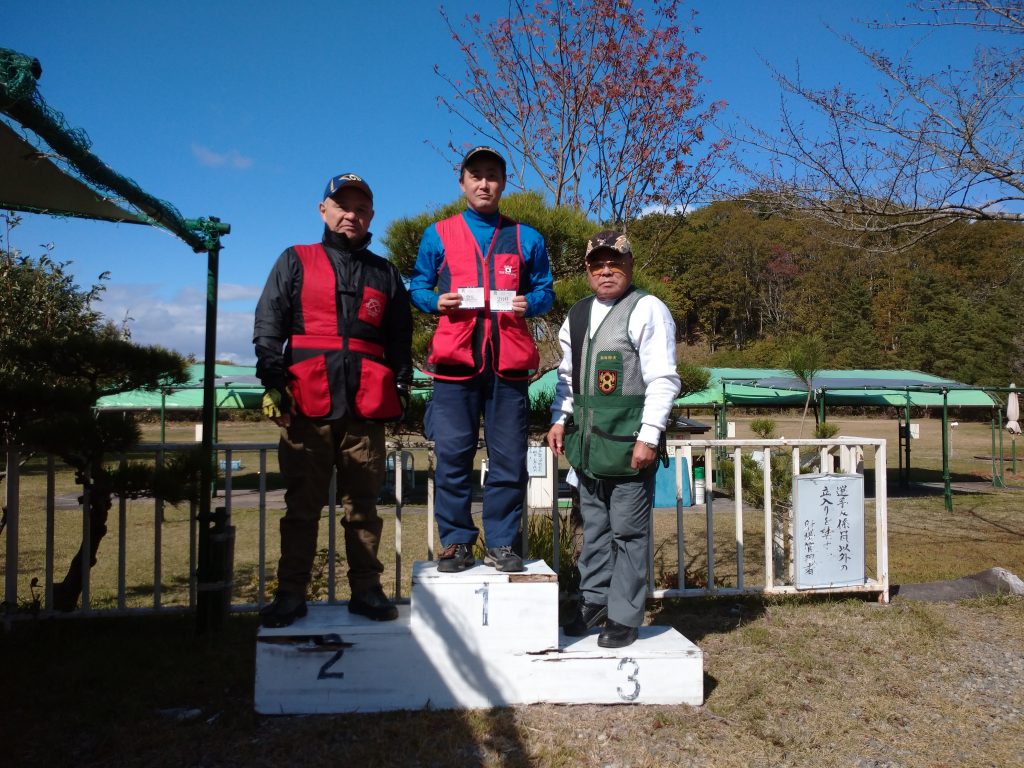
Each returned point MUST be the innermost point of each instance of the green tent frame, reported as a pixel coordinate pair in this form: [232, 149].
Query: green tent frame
[902, 389]
[888, 388]
[69, 180]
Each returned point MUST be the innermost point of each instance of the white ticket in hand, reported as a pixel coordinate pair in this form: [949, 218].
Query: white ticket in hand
[501, 301]
[472, 298]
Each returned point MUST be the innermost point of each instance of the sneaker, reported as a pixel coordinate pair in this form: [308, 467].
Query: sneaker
[588, 616]
[283, 610]
[373, 604]
[615, 635]
[456, 558]
[503, 559]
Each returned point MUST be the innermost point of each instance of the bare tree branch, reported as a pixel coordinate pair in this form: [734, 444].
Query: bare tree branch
[926, 149]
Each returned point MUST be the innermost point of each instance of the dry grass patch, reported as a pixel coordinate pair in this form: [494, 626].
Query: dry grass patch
[788, 683]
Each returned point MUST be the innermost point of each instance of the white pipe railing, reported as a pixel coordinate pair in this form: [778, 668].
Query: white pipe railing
[774, 582]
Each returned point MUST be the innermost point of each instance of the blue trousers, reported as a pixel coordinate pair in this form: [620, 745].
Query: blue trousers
[453, 423]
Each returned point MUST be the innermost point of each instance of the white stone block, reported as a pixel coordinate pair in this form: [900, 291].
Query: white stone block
[485, 611]
[475, 639]
[661, 667]
[332, 661]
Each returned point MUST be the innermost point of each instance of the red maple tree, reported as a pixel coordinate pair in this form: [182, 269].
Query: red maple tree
[596, 99]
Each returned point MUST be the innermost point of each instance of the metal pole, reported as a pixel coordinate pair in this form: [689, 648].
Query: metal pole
[722, 429]
[13, 498]
[900, 429]
[947, 488]
[997, 460]
[992, 450]
[207, 604]
[1002, 464]
[905, 481]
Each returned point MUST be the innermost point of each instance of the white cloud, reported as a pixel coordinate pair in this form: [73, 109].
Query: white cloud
[180, 323]
[212, 159]
[235, 292]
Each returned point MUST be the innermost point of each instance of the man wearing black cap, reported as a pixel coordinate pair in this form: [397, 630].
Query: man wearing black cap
[484, 274]
[616, 385]
[333, 341]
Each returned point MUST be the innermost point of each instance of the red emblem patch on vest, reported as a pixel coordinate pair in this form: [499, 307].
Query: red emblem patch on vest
[372, 309]
[607, 381]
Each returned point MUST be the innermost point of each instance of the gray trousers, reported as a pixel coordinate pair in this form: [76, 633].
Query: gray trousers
[616, 526]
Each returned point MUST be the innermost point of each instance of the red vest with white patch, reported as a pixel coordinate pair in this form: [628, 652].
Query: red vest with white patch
[457, 350]
[336, 353]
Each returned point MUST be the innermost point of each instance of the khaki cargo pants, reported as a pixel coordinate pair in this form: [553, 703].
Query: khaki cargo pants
[308, 450]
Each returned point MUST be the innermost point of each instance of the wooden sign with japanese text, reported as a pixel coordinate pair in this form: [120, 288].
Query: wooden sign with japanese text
[828, 530]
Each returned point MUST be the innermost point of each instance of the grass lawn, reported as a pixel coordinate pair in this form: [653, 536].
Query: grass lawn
[788, 681]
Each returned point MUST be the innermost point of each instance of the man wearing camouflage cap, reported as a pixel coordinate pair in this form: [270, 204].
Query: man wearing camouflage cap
[616, 385]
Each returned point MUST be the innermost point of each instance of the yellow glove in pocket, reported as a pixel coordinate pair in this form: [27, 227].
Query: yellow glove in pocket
[276, 403]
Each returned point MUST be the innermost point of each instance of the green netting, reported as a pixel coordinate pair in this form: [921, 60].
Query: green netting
[18, 76]
[20, 99]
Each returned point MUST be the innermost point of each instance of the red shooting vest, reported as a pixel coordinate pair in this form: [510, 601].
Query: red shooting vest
[458, 345]
[337, 363]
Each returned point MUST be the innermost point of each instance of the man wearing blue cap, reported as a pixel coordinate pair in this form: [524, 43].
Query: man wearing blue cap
[484, 274]
[333, 338]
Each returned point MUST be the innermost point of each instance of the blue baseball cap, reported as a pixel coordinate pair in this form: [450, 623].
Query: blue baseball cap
[336, 183]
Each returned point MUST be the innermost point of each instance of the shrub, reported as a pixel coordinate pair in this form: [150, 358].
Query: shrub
[825, 430]
[764, 428]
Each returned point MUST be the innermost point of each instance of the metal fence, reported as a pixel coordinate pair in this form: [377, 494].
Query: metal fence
[775, 574]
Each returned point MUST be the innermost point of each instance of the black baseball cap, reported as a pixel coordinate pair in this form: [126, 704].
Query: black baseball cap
[485, 151]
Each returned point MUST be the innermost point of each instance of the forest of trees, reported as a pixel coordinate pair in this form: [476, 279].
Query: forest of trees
[746, 284]
[887, 233]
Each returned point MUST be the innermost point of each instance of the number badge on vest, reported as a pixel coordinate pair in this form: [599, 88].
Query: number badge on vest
[607, 381]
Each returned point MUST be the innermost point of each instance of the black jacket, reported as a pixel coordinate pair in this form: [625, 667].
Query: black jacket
[279, 315]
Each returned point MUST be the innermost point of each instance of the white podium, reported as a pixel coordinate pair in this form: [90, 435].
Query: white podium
[475, 639]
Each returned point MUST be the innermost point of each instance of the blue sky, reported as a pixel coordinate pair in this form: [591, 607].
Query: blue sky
[242, 110]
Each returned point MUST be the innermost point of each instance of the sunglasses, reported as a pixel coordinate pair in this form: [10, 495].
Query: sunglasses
[615, 265]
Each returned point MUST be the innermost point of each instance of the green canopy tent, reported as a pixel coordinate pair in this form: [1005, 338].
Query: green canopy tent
[46, 166]
[903, 389]
[778, 388]
[234, 386]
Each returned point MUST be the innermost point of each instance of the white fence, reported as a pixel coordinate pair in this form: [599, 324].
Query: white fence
[714, 579]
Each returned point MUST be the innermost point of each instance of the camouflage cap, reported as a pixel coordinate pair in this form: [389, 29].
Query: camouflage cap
[610, 240]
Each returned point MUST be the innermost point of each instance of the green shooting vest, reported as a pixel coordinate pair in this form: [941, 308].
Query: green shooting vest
[607, 390]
